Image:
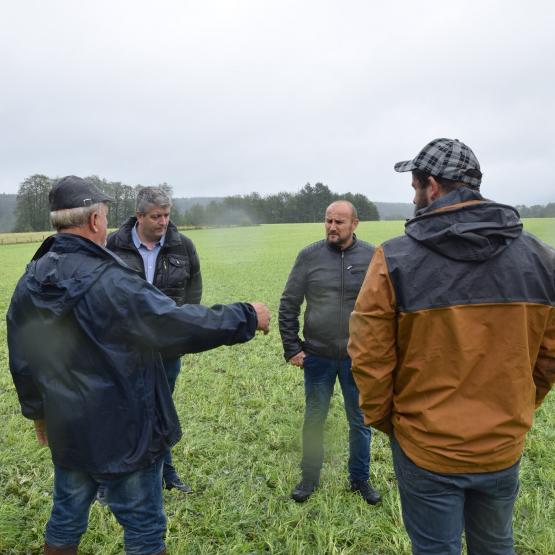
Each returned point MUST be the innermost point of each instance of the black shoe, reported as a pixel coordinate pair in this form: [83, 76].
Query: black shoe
[367, 492]
[303, 490]
[173, 481]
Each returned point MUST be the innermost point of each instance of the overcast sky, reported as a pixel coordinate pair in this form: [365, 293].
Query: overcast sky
[221, 97]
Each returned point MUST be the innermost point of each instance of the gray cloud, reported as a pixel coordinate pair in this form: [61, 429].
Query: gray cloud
[222, 97]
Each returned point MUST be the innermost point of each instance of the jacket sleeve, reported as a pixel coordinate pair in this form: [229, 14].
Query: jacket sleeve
[20, 340]
[28, 394]
[372, 344]
[290, 308]
[544, 369]
[128, 310]
[193, 292]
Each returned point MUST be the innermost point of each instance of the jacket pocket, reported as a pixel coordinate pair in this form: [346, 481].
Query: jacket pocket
[358, 268]
[178, 270]
[179, 261]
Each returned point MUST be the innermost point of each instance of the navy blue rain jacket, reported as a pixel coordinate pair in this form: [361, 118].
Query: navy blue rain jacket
[86, 335]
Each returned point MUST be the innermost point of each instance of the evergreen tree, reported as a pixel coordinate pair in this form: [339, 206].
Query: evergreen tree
[32, 210]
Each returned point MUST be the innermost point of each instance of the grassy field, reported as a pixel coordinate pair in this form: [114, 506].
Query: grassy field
[241, 410]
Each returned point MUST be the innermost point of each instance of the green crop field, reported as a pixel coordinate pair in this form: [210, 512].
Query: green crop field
[241, 410]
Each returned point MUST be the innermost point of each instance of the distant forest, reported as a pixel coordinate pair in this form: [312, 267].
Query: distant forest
[28, 209]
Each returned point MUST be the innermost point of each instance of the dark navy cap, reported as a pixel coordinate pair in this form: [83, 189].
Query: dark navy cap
[73, 192]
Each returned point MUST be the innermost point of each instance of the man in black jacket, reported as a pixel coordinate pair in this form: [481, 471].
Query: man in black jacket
[151, 245]
[86, 336]
[328, 275]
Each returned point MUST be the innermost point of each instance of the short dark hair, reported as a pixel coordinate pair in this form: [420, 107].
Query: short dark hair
[447, 185]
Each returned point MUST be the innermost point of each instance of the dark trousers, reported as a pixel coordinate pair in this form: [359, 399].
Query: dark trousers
[172, 368]
[437, 508]
[320, 374]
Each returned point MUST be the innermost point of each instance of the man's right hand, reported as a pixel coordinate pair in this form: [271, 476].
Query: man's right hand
[263, 317]
[298, 360]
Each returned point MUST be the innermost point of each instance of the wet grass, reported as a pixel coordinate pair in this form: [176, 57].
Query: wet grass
[241, 410]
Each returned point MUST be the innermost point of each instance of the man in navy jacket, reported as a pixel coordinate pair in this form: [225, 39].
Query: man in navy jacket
[86, 337]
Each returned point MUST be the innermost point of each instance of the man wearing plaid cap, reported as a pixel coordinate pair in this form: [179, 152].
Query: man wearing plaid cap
[453, 346]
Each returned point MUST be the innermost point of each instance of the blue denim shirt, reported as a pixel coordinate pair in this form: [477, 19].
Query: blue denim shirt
[149, 256]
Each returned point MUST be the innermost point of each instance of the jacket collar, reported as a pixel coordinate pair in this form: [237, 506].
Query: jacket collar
[458, 196]
[337, 249]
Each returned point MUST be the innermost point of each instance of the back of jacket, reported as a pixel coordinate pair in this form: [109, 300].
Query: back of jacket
[329, 279]
[85, 337]
[453, 335]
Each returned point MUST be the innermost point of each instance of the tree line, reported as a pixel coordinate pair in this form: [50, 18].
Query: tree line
[308, 205]
[537, 210]
[32, 212]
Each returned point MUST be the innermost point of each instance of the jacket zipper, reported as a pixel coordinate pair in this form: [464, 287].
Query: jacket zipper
[164, 267]
[342, 294]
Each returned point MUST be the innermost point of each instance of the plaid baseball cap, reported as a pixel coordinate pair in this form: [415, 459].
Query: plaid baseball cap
[74, 192]
[447, 158]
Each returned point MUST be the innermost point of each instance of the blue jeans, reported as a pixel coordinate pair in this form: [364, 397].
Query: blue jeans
[320, 374]
[172, 368]
[135, 499]
[438, 507]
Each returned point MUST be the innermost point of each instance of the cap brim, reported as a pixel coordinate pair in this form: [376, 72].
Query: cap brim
[106, 198]
[406, 166]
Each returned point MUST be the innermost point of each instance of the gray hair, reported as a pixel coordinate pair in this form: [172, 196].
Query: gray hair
[147, 197]
[73, 217]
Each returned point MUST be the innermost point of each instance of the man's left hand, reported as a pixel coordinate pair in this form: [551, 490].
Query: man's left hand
[40, 430]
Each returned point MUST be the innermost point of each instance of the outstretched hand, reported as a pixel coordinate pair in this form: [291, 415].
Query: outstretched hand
[263, 317]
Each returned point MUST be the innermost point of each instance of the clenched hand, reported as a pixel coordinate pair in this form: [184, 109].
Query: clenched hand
[263, 317]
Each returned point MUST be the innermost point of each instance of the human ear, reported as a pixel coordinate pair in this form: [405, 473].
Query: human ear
[434, 188]
[93, 222]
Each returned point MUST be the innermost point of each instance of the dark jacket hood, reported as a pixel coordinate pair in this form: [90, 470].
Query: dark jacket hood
[462, 225]
[56, 281]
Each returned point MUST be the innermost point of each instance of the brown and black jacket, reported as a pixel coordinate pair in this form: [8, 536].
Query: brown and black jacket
[453, 335]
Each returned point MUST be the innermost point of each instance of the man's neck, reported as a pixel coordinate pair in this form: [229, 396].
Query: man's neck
[82, 232]
[346, 246]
